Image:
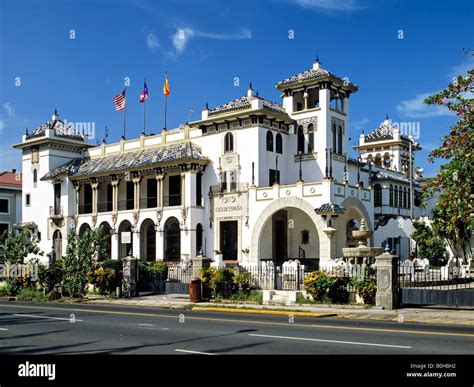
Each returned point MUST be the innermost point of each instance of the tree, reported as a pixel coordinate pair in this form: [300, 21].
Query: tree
[81, 254]
[453, 214]
[429, 244]
[15, 247]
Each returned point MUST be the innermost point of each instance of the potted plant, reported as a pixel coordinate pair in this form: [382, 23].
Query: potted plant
[246, 253]
[218, 259]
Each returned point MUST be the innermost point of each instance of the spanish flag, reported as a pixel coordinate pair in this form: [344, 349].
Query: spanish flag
[166, 86]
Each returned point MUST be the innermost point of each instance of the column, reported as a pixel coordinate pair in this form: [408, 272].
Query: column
[159, 189]
[77, 188]
[94, 185]
[183, 189]
[114, 241]
[115, 183]
[387, 273]
[136, 184]
[159, 243]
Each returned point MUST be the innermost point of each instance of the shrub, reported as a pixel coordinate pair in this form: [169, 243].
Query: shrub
[317, 284]
[115, 264]
[242, 281]
[151, 274]
[338, 290]
[50, 279]
[105, 280]
[366, 288]
[27, 294]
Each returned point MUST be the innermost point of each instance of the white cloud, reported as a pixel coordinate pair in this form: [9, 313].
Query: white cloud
[416, 108]
[360, 124]
[181, 38]
[245, 33]
[2, 126]
[152, 41]
[462, 68]
[331, 5]
[9, 109]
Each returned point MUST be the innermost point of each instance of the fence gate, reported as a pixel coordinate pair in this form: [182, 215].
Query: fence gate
[435, 286]
[176, 281]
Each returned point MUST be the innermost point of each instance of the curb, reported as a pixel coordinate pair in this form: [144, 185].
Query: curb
[268, 312]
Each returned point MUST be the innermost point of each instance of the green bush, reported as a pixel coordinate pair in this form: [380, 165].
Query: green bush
[322, 286]
[26, 294]
[366, 287]
[115, 264]
[106, 280]
[224, 282]
[338, 292]
[242, 281]
[50, 279]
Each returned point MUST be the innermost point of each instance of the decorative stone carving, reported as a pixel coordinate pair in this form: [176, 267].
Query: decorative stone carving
[305, 122]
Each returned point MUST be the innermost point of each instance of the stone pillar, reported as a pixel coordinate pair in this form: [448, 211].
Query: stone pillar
[115, 183]
[94, 186]
[77, 188]
[387, 273]
[136, 184]
[114, 240]
[159, 189]
[130, 277]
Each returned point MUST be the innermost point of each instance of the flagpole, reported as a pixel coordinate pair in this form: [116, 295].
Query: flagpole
[144, 107]
[124, 113]
[166, 106]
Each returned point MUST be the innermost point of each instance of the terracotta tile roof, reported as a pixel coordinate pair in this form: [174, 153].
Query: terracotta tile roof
[10, 179]
[144, 158]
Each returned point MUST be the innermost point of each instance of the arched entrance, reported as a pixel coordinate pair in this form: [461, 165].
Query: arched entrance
[148, 240]
[84, 227]
[125, 239]
[287, 228]
[58, 244]
[107, 232]
[172, 240]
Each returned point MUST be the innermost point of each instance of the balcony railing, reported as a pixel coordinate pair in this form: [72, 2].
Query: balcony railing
[125, 204]
[172, 200]
[56, 211]
[104, 206]
[150, 202]
[85, 208]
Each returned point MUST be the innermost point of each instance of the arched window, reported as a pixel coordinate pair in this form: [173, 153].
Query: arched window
[310, 138]
[339, 140]
[35, 177]
[386, 160]
[300, 147]
[172, 240]
[409, 198]
[395, 202]
[334, 138]
[404, 198]
[269, 141]
[378, 160]
[377, 195]
[279, 143]
[391, 195]
[199, 247]
[229, 142]
[400, 197]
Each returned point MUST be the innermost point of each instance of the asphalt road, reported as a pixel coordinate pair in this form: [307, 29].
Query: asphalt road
[40, 328]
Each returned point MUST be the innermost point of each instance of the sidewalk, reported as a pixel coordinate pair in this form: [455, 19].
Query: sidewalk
[352, 312]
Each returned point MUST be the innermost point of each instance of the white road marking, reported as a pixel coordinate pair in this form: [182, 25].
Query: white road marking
[331, 341]
[146, 325]
[3, 329]
[195, 352]
[51, 318]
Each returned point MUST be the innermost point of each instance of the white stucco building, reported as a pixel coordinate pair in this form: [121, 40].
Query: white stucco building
[252, 180]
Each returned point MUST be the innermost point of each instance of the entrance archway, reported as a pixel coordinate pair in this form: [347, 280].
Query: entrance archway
[172, 240]
[148, 240]
[84, 227]
[303, 230]
[125, 248]
[58, 244]
[107, 232]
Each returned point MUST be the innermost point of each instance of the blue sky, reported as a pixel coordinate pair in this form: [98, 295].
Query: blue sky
[396, 51]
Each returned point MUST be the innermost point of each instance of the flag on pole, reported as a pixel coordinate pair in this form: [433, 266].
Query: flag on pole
[144, 94]
[166, 86]
[120, 101]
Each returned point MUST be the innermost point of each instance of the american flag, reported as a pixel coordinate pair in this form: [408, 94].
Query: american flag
[120, 101]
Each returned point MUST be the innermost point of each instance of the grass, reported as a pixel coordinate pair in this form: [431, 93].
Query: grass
[256, 298]
[32, 295]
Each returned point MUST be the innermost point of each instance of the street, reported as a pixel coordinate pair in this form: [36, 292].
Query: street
[29, 328]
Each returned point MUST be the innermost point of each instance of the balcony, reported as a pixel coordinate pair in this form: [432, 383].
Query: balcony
[150, 202]
[56, 214]
[127, 204]
[172, 200]
[104, 206]
[85, 208]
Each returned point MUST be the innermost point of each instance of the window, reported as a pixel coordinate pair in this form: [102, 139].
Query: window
[339, 140]
[377, 195]
[199, 247]
[300, 140]
[223, 181]
[274, 177]
[130, 193]
[174, 190]
[400, 197]
[279, 143]
[299, 106]
[395, 202]
[334, 139]
[198, 189]
[405, 198]
[310, 138]
[57, 199]
[4, 206]
[228, 142]
[35, 177]
[269, 141]
[151, 193]
[391, 195]
[3, 228]
[233, 181]
[27, 199]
